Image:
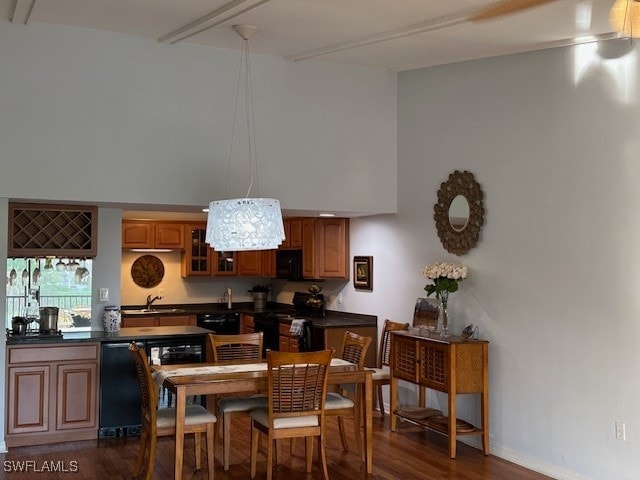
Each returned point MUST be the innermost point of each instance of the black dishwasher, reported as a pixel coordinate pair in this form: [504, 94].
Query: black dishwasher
[119, 391]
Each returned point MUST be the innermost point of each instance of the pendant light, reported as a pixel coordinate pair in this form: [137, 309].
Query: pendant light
[625, 17]
[245, 223]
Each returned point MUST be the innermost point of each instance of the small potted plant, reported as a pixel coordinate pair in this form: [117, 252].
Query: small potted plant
[259, 293]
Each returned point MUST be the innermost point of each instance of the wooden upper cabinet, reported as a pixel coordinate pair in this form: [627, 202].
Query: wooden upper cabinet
[196, 258]
[292, 233]
[250, 263]
[170, 235]
[269, 263]
[224, 263]
[137, 234]
[308, 247]
[141, 234]
[36, 230]
[332, 248]
[325, 248]
[256, 263]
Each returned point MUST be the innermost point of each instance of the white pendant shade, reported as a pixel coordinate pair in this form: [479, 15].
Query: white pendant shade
[245, 224]
[625, 17]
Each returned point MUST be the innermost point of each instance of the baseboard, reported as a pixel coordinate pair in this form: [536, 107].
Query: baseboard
[526, 461]
[536, 464]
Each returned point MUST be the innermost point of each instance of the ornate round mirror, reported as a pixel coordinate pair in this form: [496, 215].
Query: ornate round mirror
[459, 213]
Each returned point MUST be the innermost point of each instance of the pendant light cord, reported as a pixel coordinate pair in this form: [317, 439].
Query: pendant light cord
[253, 158]
[233, 127]
[245, 61]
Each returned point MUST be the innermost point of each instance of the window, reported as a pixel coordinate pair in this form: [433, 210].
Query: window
[50, 282]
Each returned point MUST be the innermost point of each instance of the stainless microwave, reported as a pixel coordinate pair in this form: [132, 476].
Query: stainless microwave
[289, 264]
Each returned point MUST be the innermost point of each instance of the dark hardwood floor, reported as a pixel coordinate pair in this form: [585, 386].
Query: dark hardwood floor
[407, 454]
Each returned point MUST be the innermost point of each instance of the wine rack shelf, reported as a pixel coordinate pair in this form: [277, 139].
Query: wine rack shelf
[37, 230]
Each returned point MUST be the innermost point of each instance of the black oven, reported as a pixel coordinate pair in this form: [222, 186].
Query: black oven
[289, 264]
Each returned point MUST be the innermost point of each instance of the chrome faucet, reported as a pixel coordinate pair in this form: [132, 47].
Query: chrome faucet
[151, 300]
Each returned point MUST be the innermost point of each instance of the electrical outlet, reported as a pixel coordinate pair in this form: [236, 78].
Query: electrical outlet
[104, 294]
[621, 431]
[340, 298]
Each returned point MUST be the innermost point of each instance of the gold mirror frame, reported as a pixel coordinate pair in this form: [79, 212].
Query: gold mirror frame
[459, 183]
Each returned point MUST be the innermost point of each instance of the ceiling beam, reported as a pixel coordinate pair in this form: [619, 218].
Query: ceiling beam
[407, 31]
[566, 42]
[220, 15]
[22, 11]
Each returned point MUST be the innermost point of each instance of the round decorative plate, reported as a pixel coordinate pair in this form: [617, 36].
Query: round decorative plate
[147, 271]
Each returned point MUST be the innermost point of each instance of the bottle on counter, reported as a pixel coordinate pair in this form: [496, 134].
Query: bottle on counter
[227, 295]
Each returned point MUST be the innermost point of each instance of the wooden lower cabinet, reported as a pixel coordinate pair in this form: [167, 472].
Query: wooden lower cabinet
[52, 393]
[287, 342]
[158, 320]
[247, 324]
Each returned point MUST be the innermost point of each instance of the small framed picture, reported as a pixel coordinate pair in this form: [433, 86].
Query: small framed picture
[363, 273]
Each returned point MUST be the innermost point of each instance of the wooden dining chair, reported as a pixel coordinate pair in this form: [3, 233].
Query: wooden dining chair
[161, 422]
[226, 348]
[297, 388]
[354, 350]
[381, 374]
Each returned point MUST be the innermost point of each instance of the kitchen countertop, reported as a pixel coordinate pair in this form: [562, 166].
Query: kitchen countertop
[124, 335]
[332, 319]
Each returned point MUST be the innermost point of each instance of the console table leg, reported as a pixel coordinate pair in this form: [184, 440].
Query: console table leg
[484, 408]
[393, 400]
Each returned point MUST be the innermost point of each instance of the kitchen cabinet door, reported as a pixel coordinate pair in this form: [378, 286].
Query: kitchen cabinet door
[77, 391]
[332, 248]
[247, 324]
[269, 263]
[224, 263]
[28, 399]
[139, 321]
[175, 320]
[196, 258]
[250, 263]
[169, 235]
[308, 248]
[137, 234]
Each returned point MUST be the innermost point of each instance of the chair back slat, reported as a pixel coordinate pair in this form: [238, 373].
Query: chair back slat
[385, 341]
[245, 346]
[297, 382]
[354, 348]
[148, 392]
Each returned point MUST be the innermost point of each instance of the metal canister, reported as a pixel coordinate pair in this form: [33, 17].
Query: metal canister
[48, 319]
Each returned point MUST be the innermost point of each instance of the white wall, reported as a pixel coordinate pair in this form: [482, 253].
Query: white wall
[552, 138]
[93, 116]
[115, 120]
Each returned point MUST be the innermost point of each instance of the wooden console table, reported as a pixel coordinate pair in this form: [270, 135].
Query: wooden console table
[451, 365]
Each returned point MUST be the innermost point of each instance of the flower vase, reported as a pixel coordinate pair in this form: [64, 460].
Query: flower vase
[444, 316]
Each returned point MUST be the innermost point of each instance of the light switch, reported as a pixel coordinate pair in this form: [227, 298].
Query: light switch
[104, 294]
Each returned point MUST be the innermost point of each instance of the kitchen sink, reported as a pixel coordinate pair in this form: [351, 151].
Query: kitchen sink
[151, 311]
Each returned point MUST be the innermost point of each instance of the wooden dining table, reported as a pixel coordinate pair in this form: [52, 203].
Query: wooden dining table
[220, 378]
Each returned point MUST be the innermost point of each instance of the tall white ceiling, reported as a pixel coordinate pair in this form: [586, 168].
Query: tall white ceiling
[391, 34]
